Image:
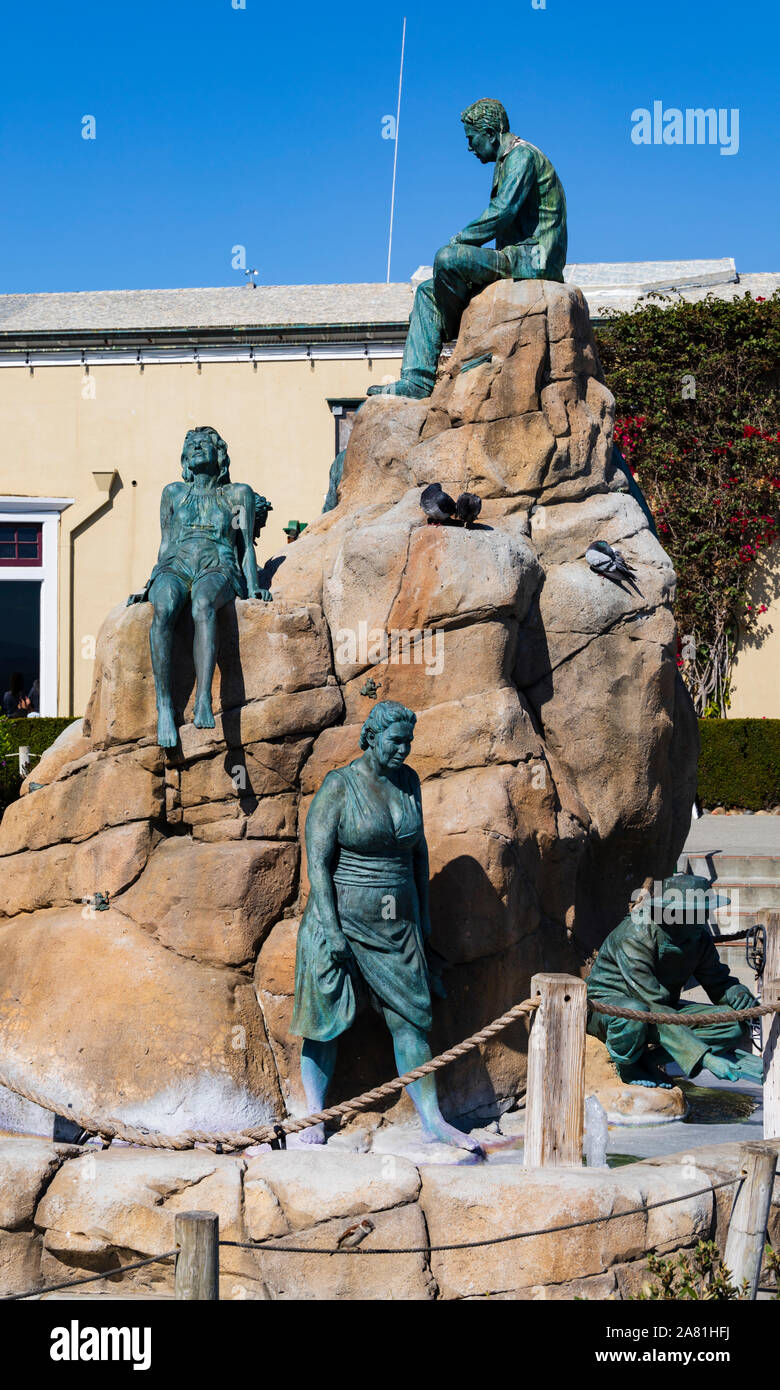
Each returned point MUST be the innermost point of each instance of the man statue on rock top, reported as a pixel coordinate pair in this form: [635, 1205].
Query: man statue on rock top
[527, 218]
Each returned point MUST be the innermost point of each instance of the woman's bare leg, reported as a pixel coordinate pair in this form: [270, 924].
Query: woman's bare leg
[412, 1050]
[318, 1062]
[167, 596]
[209, 594]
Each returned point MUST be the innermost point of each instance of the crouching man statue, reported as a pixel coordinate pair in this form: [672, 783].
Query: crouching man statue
[526, 217]
[207, 555]
[644, 964]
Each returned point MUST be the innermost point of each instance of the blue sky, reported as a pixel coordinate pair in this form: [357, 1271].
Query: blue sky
[262, 126]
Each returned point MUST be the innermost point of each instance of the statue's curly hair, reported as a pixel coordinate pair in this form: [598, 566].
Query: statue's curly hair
[223, 458]
[486, 114]
[385, 713]
[262, 509]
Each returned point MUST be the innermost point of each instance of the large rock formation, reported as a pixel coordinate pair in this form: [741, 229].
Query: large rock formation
[555, 743]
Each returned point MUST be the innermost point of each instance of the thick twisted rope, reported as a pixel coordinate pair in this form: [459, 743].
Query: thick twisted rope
[691, 1020]
[266, 1134]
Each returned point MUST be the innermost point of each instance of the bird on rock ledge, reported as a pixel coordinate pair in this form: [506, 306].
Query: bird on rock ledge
[468, 508]
[610, 563]
[440, 508]
[437, 504]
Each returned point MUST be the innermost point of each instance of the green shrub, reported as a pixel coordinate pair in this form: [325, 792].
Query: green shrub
[739, 763]
[698, 1275]
[35, 734]
[697, 392]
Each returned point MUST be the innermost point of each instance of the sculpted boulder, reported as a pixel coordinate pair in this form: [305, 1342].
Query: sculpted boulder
[555, 742]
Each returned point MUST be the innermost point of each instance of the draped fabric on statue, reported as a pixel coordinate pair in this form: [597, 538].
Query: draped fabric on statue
[201, 541]
[379, 913]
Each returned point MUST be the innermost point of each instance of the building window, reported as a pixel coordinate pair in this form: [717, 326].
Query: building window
[20, 640]
[29, 606]
[20, 545]
[344, 412]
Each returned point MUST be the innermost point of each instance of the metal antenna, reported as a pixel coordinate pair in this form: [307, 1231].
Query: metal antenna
[395, 152]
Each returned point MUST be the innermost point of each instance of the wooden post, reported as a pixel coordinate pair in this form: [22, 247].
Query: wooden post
[771, 964]
[771, 995]
[197, 1263]
[747, 1229]
[24, 760]
[555, 1105]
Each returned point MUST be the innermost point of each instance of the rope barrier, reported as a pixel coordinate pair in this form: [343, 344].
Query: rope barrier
[88, 1279]
[271, 1133]
[476, 1244]
[394, 1250]
[267, 1134]
[691, 1020]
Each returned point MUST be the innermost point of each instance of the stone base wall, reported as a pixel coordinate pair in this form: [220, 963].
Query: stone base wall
[65, 1212]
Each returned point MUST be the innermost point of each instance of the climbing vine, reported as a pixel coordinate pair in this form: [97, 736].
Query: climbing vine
[697, 390]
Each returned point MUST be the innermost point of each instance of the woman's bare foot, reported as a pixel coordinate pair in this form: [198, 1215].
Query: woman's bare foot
[167, 733]
[315, 1134]
[203, 718]
[438, 1131]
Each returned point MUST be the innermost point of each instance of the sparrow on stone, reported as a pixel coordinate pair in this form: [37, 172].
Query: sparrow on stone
[355, 1233]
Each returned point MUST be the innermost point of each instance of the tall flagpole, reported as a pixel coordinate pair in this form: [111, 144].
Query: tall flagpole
[395, 152]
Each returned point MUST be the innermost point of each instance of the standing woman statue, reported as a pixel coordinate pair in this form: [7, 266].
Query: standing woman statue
[363, 934]
[207, 555]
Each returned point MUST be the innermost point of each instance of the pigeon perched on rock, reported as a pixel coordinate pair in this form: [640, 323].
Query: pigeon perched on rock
[437, 504]
[604, 560]
[468, 508]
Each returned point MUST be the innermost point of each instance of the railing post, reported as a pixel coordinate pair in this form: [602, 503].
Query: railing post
[771, 995]
[747, 1229]
[24, 760]
[555, 1102]
[771, 966]
[197, 1262]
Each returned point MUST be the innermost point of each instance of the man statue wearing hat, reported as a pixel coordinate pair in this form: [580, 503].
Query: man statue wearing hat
[526, 218]
[645, 964]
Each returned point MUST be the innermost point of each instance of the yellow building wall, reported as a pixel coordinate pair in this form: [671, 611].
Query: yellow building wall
[755, 685]
[60, 426]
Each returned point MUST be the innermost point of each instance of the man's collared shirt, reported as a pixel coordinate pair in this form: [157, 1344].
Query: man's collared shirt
[526, 214]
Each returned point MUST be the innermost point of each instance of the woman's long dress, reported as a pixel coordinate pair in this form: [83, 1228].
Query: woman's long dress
[379, 913]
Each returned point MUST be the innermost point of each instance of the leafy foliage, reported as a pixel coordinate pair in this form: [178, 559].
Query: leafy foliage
[697, 388]
[739, 763]
[37, 735]
[696, 1275]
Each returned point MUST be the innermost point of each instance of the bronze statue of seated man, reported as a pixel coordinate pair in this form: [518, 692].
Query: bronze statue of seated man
[207, 555]
[526, 217]
[645, 964]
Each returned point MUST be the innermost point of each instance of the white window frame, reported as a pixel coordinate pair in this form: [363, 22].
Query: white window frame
[44, 512]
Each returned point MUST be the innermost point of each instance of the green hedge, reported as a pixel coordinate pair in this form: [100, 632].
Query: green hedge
[739, 764]
[35, 734]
